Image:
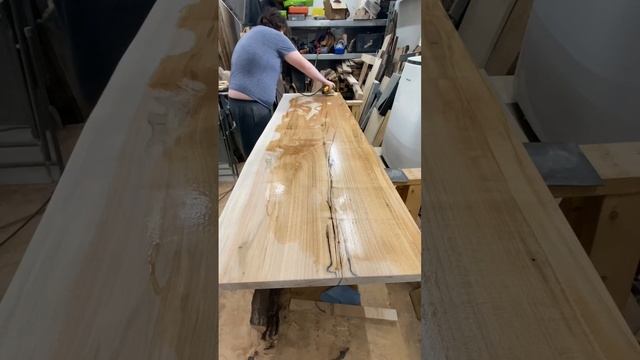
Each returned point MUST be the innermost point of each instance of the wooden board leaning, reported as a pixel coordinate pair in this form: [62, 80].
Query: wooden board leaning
[123, 262]
[505, 277]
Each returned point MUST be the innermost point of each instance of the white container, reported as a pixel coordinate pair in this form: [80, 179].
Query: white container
[401, 142]
[578, 75]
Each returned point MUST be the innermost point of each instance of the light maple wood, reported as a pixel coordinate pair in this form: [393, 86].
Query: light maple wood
[312, 206]
[616, 245]
[615, 161]
[481, 26]
[505, 277]
[367, 62]
[377, 140]
[368, 59]
[414, 176]
[411, 191]
[368, 85]
[354, 105]
[507, 47]
[123, 263]
[373, 125]
[414, 201]
[366, 105]
[351, 80]
[357, 91]
[605, 217]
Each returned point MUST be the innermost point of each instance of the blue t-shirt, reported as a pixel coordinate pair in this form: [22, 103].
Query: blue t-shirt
[256, 63]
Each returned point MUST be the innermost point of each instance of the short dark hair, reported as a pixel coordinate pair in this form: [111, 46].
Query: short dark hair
[271, 18]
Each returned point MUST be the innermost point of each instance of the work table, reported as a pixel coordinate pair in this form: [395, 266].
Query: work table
[313, 207]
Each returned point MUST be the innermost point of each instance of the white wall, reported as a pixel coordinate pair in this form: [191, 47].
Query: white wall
[409, 23]
[578, 78]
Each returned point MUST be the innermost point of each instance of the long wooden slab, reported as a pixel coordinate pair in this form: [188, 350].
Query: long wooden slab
[312, 206]
[123, 263]
[505, 277]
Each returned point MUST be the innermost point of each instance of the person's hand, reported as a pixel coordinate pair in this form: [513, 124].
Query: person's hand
[331, 85]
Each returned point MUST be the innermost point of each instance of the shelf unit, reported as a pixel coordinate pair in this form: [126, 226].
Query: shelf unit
[310, 24]
[305, 27]
[336, 23]
[346, 56]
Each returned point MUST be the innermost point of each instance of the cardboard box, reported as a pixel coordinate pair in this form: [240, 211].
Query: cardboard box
[335, 10]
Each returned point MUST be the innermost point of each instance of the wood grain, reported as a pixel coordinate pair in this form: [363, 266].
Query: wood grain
[312, 206]
[504, 275]
[616, 245]
[368, 85]
[617, 164]
[320, 337]
[123, 263]
[615, 161]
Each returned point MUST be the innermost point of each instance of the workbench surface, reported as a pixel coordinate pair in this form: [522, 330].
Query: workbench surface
[313, 207]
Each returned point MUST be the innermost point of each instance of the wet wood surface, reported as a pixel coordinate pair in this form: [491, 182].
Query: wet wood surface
[505, 277]
[123, 263]
[312, 206]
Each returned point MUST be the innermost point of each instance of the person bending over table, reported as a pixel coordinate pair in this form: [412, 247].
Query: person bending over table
[256, 64]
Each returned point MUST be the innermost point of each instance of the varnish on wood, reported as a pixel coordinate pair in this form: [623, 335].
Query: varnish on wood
[313, 207]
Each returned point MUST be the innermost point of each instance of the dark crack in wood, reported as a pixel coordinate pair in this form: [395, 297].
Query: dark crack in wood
[329, 161]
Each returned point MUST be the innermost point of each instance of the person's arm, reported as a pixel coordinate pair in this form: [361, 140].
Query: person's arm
[299, 62]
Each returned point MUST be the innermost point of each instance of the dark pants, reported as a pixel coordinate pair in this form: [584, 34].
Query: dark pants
[251, 117]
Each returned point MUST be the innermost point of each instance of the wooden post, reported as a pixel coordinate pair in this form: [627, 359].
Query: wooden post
[413, 202]
[616, 246]
[411, 192]
[605, 218]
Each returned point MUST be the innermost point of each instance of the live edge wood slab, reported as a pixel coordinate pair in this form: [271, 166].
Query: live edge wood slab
[314, 207]
[504, 275]
[123, 263]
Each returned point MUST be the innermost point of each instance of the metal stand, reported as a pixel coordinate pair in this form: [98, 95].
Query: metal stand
[226, 126]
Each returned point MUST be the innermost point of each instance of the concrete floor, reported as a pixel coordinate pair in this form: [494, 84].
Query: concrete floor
[18, 201]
